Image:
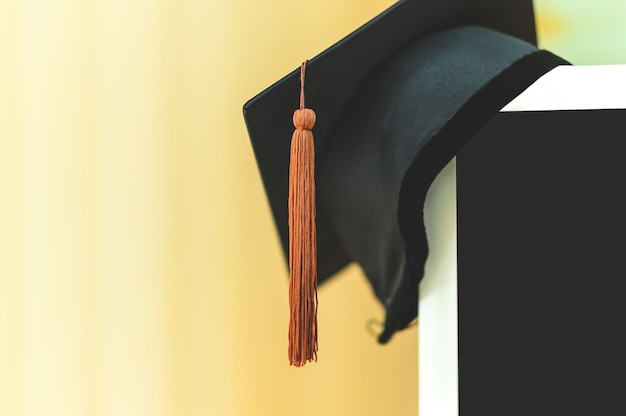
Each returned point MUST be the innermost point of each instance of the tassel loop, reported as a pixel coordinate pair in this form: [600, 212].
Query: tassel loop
[302, 237]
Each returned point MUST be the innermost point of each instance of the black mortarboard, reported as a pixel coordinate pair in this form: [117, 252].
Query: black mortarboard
[395, 101]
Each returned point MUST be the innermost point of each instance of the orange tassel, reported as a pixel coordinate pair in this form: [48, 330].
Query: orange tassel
[302, 237]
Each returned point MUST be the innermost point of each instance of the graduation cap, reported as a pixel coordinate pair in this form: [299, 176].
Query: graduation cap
[395, 101]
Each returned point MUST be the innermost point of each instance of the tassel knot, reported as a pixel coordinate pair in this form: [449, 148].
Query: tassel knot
[304, 119]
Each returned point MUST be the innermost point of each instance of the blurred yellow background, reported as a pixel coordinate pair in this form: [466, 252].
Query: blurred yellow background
[140, 272]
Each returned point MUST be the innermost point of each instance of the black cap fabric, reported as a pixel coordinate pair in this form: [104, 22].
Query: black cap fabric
[395, 101]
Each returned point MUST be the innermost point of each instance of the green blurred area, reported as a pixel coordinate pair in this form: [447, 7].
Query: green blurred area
[585, 32]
